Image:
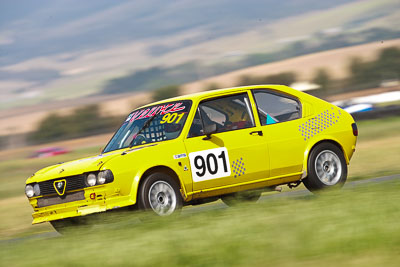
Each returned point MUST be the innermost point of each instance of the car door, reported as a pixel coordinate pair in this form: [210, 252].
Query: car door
[236, 153]
[280, 117]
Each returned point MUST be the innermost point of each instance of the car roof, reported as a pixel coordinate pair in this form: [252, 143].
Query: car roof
[218, 92]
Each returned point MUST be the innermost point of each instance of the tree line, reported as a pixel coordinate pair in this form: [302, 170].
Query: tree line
[82, 122]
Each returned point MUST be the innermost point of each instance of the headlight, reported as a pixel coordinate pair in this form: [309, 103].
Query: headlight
[91, 179]
[101, 177]
[105, 176]
[29, 190]
[36, 189]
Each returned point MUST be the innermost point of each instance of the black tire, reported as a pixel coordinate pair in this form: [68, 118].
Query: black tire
[234, 199]
[327, 168]
[160, 194]
[68, 225]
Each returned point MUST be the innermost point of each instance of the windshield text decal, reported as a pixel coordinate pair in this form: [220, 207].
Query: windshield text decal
[157, 110]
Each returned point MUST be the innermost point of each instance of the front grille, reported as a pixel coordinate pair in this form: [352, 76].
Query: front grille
[48, 201]
[72, 183]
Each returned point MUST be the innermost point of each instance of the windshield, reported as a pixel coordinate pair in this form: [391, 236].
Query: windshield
[151, 124]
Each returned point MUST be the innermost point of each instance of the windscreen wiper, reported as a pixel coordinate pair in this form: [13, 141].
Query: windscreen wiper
[145, 125]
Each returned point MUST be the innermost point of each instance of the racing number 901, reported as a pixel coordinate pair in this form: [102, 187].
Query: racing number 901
[205, 165]
[171, 117]
[210, 164]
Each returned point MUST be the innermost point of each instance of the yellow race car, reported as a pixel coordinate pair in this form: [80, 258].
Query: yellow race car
[229, 143]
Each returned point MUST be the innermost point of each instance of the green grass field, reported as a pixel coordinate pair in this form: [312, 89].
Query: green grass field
[356, 226]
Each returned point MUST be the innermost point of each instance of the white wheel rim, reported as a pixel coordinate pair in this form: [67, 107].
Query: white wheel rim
[328, 167]
[162, 198]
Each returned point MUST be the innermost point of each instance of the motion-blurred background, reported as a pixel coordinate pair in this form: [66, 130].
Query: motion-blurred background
[71, 70]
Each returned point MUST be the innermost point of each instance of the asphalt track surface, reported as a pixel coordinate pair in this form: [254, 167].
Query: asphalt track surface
[214, 206]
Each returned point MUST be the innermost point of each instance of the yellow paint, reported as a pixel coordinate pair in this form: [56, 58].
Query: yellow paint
[278, 156]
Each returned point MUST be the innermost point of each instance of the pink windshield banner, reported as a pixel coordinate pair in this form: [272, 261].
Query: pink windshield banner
[157, 110]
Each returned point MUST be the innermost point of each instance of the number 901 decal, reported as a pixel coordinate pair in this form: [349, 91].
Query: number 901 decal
[171, 117]
[210, 164]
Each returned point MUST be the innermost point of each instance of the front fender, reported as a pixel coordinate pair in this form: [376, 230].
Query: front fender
[131, 167]
[141, 174]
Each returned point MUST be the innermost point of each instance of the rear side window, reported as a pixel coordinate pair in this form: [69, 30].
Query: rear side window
[228, 113]
[274, 108]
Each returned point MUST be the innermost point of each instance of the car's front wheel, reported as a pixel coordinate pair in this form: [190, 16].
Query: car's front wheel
[327, 168]
[160, 193]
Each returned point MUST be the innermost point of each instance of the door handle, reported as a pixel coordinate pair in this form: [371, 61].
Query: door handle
[260, 133]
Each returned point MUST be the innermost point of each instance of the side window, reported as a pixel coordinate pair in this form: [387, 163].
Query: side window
[273, 108]
[228, 113]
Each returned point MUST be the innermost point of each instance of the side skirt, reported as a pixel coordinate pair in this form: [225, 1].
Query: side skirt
[256, 184]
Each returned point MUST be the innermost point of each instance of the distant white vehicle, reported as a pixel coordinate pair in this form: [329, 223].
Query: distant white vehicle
[366, 103]
[378, 98]
[358, 108]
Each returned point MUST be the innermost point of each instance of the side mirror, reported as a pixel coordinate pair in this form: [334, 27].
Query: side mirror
[209, 130]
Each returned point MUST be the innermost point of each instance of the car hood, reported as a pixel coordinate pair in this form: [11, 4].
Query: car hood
[74, 167]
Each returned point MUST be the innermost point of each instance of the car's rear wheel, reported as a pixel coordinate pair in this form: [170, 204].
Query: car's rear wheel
[160, 194]
[327, 168]
[240, 197]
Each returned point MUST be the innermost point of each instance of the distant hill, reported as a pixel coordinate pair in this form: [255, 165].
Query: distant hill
[336, 62]
[66, 49]
[47, 27]
[121, 104]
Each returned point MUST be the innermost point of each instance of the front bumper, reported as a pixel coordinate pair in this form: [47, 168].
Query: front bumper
[95, 200]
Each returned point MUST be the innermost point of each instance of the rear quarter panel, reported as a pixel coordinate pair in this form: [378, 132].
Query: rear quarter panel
[326, 122]
[321, 121]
